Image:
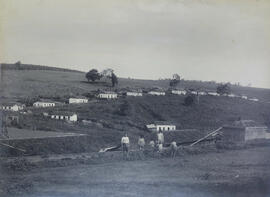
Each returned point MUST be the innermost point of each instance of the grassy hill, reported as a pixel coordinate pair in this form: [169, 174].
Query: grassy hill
[32, 81]
[110, 119]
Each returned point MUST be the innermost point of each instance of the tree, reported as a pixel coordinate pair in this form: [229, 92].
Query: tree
[107, 72]
[93, 75]
[224, 89]
[114, 80]
[175, 80]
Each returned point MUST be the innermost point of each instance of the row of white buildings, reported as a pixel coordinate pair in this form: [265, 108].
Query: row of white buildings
[62, 115]
[114, 95]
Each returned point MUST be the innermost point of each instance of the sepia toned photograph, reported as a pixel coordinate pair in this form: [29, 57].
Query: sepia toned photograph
[134, 98]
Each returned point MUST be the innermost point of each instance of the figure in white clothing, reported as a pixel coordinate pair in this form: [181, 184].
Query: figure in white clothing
[125, 146]
[174, 149]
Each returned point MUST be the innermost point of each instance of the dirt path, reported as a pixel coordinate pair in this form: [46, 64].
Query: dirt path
[232, 173]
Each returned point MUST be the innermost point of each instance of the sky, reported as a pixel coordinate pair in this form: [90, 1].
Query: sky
[220, 40]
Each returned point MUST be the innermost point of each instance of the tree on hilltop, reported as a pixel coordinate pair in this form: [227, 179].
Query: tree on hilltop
[93, 75]
[175, 80]
[114, 80]
[224, 89]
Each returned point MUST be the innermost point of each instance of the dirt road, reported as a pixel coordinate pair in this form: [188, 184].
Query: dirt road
[241, 173]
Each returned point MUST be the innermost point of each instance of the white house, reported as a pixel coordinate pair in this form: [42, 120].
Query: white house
[232, 95]
[244, 97]
[213, 94]
[202, 93]
[44, 104]
[156, 93]
[134, 94]
[107, 95]
[253, 99]
[161, 126]
[78, 100]
[179, 92]
[13, 107]
[68, 116]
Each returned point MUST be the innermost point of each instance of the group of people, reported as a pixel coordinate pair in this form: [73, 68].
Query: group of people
[158, 145]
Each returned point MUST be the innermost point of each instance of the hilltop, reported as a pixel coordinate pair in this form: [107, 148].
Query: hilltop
[33, 80]
[108, 120]
[19, 66]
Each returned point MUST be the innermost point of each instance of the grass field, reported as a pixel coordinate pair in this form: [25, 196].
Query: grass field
[236, 173]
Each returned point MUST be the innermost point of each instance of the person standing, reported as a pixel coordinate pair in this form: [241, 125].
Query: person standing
[141, 142]
[174, 149]
[125, 146]
[160, 138]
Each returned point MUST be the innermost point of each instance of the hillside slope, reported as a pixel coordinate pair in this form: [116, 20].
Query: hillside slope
[109, 120]
[58, 83]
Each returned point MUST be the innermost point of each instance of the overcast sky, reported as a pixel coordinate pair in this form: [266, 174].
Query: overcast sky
[222, 40]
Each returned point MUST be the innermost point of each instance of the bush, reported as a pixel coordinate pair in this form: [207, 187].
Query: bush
[189, 100]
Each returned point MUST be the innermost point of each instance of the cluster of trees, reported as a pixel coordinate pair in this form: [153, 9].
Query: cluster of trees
[93, 75]
[223, 89]
[174, 81]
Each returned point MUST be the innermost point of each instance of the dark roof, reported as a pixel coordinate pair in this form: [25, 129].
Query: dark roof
[164, 123]
[46, 101]
[78, 97]
[181, 136]
[246, 123]
[11, 104]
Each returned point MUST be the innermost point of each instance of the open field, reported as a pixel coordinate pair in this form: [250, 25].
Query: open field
[235, 173]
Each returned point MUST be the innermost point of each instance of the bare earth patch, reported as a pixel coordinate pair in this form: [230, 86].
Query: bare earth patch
[231, 173]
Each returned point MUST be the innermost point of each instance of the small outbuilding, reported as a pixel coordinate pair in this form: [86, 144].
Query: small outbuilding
[213, 94]
[134, 93]
[244, 97]
[107, 95]
[12, 107]
[244, 130]
[254, 99]
[157, 93]
[78, 100]
[161, 126]
[179, 92]
[68, 116]
[44, 104]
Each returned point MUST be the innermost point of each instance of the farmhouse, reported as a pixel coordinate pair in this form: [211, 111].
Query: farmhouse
[213, 94]
[78, 100]
[134, 93]
[202, 93]
[179, 92]
[107, 95]
[244, 97]
[156, 93]
[44, 104]
[69, 116]
[161, 126]
[12, 107]
[244, 130]
[253, 99]
[232, 95]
